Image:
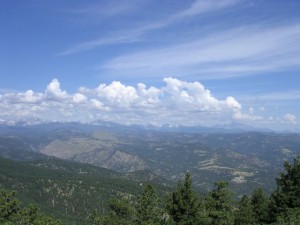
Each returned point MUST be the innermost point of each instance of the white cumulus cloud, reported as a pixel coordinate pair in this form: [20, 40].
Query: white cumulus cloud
[53, 90]
[116, 94]
[79, 98]
[177, 102]
[290, 118]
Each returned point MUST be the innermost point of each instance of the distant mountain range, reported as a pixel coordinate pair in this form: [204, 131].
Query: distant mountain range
[248, 159]
[62, 165]
[222, 128]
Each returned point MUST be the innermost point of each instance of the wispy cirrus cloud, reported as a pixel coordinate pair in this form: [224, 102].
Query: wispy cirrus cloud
[108, 8]
[128, 37]
[198, 7]
[273, 96]
[234, 52]
[204, 6]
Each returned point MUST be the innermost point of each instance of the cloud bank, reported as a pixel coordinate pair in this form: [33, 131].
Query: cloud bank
[177, 102]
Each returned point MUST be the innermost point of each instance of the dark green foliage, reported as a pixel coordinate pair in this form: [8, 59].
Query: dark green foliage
[94, 218]
[148, 210]
[67, 190]
[244, 215]
[290, 217]
[220, 205]
[287, 194]
[260, 202]
[122, 213]
[11, 212]
[9, 206]
[32, 215]
[183, 204]
[122, 209]
[183, 207]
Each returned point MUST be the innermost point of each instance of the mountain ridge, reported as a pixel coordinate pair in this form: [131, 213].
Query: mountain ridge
[243, 158]
[219, 128]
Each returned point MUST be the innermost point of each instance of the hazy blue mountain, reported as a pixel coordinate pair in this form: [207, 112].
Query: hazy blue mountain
[246, 159]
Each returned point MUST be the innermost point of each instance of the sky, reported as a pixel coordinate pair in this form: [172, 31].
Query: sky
[170, 62]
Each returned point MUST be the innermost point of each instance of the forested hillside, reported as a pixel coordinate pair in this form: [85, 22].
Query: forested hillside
[247, 160]
[183, 206]
[98, 163]
[71, 190]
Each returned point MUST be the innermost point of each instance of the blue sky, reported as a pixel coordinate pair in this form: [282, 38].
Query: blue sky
[194, 62]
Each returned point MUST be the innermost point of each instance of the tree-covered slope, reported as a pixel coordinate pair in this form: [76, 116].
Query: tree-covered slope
[67, 190]
[248, 160]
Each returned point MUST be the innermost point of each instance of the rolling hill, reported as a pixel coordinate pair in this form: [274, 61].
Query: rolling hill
[70, 190]
[246, 159]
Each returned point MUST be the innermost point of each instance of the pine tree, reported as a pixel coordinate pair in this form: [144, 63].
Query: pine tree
[31, 215]
[94, 218]
[245, 213]
[148, 211]
[121, 213]
[219, 204]
[287, 194]
[260, 202]
[183, 204]
[290, 217]
[11, 212]
[9, 206]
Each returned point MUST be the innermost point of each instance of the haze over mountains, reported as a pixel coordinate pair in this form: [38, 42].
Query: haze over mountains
[247, 159]
[100, 98]
[227, 127]
[60, 166]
